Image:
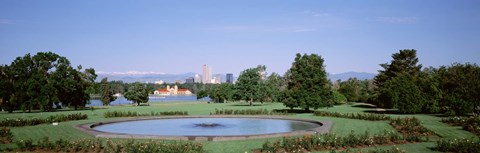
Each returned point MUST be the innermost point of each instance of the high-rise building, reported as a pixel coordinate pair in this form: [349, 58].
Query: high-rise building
[189, 80]
[198, 78]
[207, 74]
[218, 79]
[229, 78]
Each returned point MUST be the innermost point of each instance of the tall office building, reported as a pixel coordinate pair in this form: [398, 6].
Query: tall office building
[218, 79]
[229, 78]
[189, 80]
[197, 79]
[207, 74]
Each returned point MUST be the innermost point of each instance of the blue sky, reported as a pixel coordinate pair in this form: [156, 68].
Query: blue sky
[181, 36]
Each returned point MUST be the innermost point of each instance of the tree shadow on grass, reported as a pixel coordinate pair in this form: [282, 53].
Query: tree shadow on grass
[247, 105]
[364, 106]
[382, 111]
[296, 111]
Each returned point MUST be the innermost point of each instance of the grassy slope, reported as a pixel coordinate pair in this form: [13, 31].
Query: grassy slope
[340, 126]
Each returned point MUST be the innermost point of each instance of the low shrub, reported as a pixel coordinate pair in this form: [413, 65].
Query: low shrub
[471, 124]
[6, 135]
[110, 114]
[410, 126]
[360, 116]
[19, 122]
[332, 142]
[463, 145]
[246, 112]
[96, 145]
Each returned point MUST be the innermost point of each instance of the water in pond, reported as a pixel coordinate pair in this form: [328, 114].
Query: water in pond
[152, 99]
[206, 126]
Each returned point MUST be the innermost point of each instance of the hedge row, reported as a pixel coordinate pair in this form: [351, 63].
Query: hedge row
[110, 114]
[19, 122]
[360, 116]
[96, 145]
[246, 112]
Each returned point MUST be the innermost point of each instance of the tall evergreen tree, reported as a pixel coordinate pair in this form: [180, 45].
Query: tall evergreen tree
[308, 84]
[404, 62]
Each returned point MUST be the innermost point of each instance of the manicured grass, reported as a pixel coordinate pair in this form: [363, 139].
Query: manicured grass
[340, 126]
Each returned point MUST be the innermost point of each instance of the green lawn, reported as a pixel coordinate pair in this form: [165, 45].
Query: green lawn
[340, 126]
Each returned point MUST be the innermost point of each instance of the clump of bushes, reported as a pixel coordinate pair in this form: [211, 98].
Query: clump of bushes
[471, 124]
[110, 114]
[360, 116]
[19, 122]
[332, 142]
[246, 112]
[6, 135]
[96, 145]
[410, 126]
[463, 145]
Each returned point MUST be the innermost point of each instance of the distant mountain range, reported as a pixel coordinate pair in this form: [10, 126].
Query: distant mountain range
[347, 75]
[171, 78]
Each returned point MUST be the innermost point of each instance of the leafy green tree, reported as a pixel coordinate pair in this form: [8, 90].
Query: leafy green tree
[339, 98]
[428, 82]
[137, 93]
[248, 84]
[106, 94]
[272, 88]
[6, 89]
[308, 84]
[404, 94]
[405, 62]
[350, 89]
[460, 85]
[222, 92]
[202, 94]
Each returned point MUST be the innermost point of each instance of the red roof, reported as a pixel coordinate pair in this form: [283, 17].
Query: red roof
[183, 90]
[163, 90]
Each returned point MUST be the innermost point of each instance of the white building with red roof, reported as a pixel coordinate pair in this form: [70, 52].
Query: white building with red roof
[172, 91]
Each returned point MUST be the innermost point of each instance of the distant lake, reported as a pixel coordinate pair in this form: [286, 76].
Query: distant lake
[152, 99]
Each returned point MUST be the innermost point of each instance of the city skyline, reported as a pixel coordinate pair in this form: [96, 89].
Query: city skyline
[171, 37]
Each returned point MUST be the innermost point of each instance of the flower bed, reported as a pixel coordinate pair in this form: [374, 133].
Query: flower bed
[410, 126]
[360, 116]
[471, 124]
[246, 112]
[464, 145]
[19, 122]
[96, 145]
[333, 142]
[110, 114]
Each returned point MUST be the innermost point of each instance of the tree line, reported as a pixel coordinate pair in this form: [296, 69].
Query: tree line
[404, 85]
[38, 82]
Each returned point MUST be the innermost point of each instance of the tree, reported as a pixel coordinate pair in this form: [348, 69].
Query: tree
[460, 85]
[222, 92]
[350, 89]
[405, 62]
[272, 87]
[404, 94]
[137, 93]
[308, 84]
[6, 89]
[107, 94]
[248, 84]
